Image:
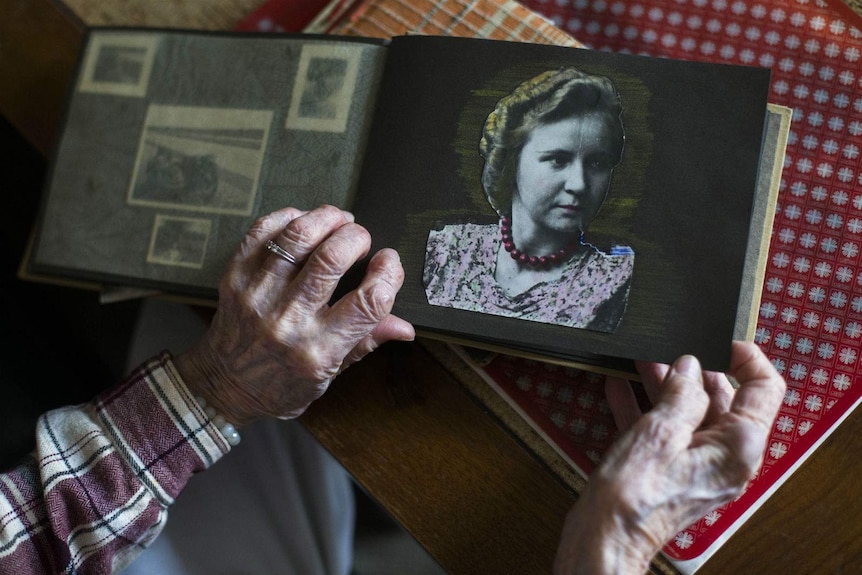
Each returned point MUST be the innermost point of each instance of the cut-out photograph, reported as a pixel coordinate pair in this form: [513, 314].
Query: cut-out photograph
[179, 241]
[201, 159]
[323, 90]
[119, 65]
[549, 149]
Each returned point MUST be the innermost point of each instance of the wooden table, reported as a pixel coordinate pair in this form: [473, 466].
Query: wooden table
[422, 444]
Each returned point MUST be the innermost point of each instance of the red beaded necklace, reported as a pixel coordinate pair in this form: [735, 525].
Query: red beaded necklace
[548, 260]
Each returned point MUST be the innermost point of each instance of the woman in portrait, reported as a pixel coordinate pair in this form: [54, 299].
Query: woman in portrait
[550, 148]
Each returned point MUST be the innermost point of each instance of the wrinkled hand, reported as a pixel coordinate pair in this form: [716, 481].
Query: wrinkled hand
[275, 343]
[694, 451]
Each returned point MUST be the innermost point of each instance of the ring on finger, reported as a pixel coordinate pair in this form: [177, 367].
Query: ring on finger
[281, 252]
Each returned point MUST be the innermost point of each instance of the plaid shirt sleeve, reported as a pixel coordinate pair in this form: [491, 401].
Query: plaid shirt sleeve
[96, 490]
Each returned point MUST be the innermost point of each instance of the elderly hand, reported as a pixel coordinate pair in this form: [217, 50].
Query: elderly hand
[695, 450]
[275, 342]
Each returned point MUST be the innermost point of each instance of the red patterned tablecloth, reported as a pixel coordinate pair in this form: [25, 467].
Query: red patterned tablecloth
[810, 321]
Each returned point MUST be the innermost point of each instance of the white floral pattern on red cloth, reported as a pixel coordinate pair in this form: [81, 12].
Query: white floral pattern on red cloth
[810, 321]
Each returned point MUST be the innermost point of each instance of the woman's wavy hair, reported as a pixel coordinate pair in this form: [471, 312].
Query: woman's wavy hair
[551, 96]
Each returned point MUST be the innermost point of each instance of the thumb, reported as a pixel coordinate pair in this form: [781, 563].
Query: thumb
[682, 397]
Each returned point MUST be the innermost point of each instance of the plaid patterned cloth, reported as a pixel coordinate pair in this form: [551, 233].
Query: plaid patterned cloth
[494, 19]
[96, 490]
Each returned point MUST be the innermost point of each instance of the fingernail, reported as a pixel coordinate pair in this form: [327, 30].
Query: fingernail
[687, 365]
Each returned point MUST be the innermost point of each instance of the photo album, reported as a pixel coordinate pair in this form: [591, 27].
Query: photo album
[568, 204]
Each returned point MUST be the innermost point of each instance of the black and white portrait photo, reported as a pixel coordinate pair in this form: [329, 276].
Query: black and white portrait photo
[550, 148]
[323, 90]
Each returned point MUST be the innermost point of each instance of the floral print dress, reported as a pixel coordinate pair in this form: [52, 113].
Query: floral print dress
[459, 272]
